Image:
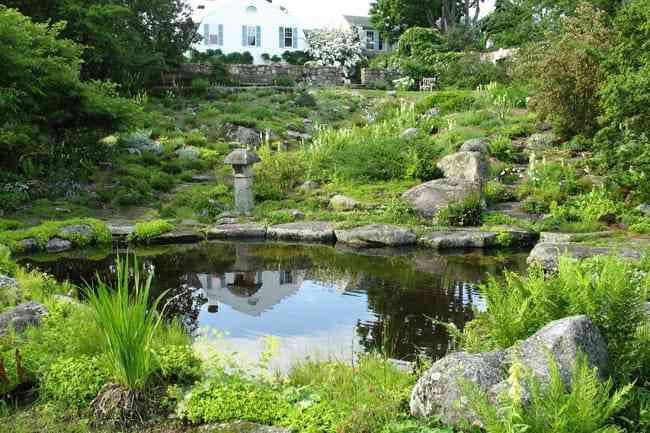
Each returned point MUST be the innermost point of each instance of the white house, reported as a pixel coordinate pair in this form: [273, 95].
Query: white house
[371, 40]
[256, 26]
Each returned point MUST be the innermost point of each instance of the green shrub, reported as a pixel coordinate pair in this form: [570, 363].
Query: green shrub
[7, 265]
[146, 230]
[128, 322]
[231, 397]
[468, 71]
[178, 364]
[74, 381]
[502, 148]
[547, 182]
[567, 70]
[162, 182]
[586, 407]
[466, 213]
[608, 290]
[448, 101]
[496, 192]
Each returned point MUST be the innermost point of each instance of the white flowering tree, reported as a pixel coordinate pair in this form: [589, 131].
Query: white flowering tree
[336, 47]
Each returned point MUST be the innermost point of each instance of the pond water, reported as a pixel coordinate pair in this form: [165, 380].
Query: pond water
[318, 300]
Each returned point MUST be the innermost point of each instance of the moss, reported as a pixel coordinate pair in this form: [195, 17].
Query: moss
[146, 230]
[41, 234]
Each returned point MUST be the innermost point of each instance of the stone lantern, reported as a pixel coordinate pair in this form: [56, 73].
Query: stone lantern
[242, 161]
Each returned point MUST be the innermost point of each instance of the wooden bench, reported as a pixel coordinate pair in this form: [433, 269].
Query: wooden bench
[428, 84]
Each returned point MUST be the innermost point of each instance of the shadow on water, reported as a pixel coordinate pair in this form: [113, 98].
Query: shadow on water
[317, 298]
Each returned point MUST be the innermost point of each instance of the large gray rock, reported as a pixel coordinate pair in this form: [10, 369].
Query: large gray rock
[562, 339]
[243, 135]
[439, 391]
[56, 245]
[7, 282]
[409, 133]
[28, 313]
[376, 235]
[238, 231]
[548, 254]
[78, 230]
[309, 185]
[120, 230]
[505, 236]
[303, 231]
[28, 245]
[541, 141]
[553, 237]
[479, 145]
[465, 167]
[430, 197]
[343, 203]
[188, 152]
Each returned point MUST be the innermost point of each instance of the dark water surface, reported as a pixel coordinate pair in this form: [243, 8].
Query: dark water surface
[317, 300]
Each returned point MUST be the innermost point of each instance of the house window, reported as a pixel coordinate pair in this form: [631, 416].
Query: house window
[251, 36]
[370, 40]
[288, 37]
[381, 42]
[212, 37]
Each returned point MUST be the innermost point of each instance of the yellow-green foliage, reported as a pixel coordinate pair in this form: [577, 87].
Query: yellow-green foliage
[586, 407]
[100, 234]
[178, 363]
[148, 229]
[74, 381]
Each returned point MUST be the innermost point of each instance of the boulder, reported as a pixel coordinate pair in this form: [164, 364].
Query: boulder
[78, 230]
[547, 254]
[554, 237]
[465, 167]
[438, 392]
[56, 245]
[458, 239]
[479, 145]
[297, 135]
[409, 133]
[188, 152]
[430, 197]
[7, 282]
[303, 231]
[28, 245]
[120, 230]
[644, 209]
[541, 141]
[309, 185]
[25, 314]
[376, 235]
[238, 231]
[243, 135]
[562, 339]
[343, 203]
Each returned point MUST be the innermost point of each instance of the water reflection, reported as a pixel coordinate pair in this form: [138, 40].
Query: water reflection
[316, 299]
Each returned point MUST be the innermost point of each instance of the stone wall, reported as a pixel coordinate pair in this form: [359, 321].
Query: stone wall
[374, 75]
[274, 74]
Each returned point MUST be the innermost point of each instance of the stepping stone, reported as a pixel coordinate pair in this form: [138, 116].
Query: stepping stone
[238, 231]
[178, 237]
[303, 231]
[376, 235]
[573, 237]
[547, 254]
[497, 236]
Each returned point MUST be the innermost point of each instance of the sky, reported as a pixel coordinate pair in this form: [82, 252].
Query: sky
[324, 13]
[328, 13]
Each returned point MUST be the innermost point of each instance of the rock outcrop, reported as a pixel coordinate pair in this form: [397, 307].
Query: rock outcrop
[473, 238]
[548, 254]
[465, 167]
[440, 391]
[430, 197]
[243, 135]
[343, 203]
[376, 235]
[25, 314]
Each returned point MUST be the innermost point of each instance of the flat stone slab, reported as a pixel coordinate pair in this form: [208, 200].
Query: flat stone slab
[241, 427]
[57, 245]
[238, 231]
[120, 230]
[547, 254]
[572, 237]
[376, 235]
[303, 231]
[178, 237]
[468, 238]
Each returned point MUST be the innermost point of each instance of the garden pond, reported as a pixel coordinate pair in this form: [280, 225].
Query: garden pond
[315, 300]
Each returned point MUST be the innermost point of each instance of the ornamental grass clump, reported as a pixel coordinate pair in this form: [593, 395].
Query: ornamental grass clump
[129, 323]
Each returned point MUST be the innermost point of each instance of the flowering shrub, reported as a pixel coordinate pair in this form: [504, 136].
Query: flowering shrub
[405, 83]
[339, 48]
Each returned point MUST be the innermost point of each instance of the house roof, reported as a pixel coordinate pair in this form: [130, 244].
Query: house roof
[358, 21]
